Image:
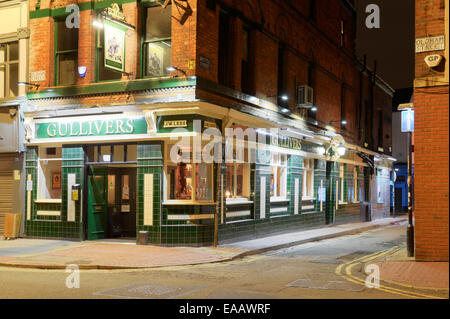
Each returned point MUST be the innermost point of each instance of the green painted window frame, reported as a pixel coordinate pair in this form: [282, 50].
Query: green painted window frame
[56, 53]
[144, 7]
[7, 65]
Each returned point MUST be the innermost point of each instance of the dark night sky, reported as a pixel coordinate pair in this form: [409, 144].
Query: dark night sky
[392, 45]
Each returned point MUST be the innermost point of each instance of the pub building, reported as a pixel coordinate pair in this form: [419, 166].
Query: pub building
[108, 154]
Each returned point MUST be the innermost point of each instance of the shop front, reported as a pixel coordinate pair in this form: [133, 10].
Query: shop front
[174, 172]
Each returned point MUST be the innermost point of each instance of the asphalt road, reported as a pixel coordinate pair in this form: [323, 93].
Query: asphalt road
[304, 271]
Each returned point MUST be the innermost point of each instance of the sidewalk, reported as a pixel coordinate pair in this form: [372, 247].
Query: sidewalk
[399, 269]
[56, 254]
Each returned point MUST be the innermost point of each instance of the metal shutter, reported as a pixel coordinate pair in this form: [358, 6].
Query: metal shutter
[6, 191]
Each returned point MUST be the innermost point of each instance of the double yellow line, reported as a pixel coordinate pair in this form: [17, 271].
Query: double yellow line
[345, 271]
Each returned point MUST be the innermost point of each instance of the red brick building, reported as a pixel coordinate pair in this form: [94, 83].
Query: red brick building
[431, 144]
[101, 121]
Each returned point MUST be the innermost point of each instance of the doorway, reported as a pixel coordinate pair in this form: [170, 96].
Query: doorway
[111, 202]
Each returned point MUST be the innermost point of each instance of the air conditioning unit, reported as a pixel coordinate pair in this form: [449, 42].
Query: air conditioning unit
[305, 96]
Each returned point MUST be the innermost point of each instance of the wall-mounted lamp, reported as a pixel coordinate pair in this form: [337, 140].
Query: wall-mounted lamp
[341, 149]
[283, 97]
[321, 150]
[343, 122]
[174, 68]
[29, 84]
[97, 24]
[285, 110]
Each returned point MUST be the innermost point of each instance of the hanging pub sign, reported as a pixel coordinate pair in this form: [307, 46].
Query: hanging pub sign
[114, 45]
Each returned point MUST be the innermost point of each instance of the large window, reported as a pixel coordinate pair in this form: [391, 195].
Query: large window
[188, 181]
[341, 183]
[278, 179]
[237, 180]
[308, 178]
[379, 185]
[157, 41]
[355, 185]
[9, 69]
[49, 173]
[66, 54]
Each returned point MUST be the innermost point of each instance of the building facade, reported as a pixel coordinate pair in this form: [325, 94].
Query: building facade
[431, 131]
[132, 101]
[14, 34]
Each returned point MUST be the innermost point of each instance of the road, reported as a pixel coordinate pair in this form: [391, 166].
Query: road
[305, 271]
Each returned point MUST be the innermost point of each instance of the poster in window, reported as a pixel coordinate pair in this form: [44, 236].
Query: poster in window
[114, 46]
[56, 180]
[155, 66]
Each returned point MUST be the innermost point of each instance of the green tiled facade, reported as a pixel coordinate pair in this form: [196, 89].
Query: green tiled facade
[187, 231]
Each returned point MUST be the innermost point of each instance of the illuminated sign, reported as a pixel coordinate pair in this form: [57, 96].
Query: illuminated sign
[286, 142]
[90, 127]
[176, 123]
[408, 121]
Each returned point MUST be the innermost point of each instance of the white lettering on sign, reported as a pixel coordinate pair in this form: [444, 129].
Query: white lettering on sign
[430, 44]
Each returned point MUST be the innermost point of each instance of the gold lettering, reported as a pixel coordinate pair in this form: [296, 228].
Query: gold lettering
[60, 131]
[130, 125]
[99, 129]
[81, 129]
[120, 127]
[109, 127]
[72, 133]
[90, 129]
[51, 129]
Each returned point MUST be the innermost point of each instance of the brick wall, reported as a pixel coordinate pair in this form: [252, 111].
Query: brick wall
[431, 139]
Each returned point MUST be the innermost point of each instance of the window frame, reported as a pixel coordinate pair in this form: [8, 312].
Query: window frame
[38, 181]
[282, 164]
[308, 170]
[144, 7]
[166, 182]
[7, 64]
[56, 53]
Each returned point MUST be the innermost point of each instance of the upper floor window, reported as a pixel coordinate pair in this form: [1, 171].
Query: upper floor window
[226, 50]
[158, 41]
[66, 54]
[246, 69]
[9, 69]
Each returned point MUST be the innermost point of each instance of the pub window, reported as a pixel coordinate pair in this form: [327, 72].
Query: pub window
[188, 181]
[341, 183]
[103, 73]
[66, 54]
[355, 185]
[226, 49]
[158, 41]
[246, 67]
[237, 178]
[49, 173]
[278, 178]
[308, 178]
[379, 185]
[116, 153]
[9, 69]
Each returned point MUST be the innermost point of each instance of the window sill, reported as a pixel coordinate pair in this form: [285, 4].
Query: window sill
[279, 199]
[48, 201]
[186, 202]
[238, 201]
[308, 198]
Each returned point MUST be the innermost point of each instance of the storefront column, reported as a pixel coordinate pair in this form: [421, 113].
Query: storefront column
[72, 173]
[332, 174]
[262, 185]
[295, 183]
[320, 182]
[149, 189]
